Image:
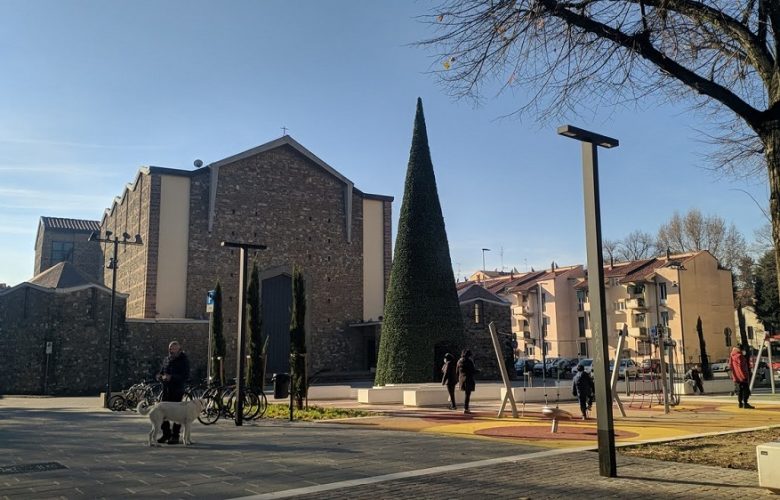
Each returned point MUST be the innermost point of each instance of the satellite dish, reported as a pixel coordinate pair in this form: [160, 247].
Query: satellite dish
[197, 163]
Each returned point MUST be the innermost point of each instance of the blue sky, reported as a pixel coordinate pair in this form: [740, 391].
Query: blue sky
[92, 90]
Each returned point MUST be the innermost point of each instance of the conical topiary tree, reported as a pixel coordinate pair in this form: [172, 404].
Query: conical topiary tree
[217, 338]
[422, 308]
[705, 360]
[255, 370]
[298, 338]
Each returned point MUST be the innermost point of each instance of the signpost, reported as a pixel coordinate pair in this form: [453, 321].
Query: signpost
[209, 309]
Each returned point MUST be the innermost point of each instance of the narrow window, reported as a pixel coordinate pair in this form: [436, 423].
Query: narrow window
[477, 312]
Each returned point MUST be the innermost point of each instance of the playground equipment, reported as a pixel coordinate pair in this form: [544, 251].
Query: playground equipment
[770, 346]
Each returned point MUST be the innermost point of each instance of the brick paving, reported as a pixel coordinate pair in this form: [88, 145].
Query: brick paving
[106, 457]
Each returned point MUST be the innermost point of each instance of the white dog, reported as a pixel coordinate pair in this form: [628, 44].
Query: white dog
[183, 413]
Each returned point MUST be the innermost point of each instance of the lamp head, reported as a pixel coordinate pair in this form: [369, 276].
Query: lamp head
[588, 136]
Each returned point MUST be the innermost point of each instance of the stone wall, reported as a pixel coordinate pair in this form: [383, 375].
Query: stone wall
[76, 323]
[144, 346]
[479, 341]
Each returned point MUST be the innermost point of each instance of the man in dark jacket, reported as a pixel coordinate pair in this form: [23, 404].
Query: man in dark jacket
[174, 374]
[582, 387]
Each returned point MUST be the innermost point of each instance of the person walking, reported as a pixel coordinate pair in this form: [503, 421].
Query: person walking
[740, 374]
[694, 377]
[582, 388]
[450, 378]
[174, 373]
[466, 371]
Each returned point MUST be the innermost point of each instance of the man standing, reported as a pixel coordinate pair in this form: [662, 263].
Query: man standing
[174, 374]
[740, 374]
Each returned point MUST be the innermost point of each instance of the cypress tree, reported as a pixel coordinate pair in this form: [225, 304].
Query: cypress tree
[298, 338]
[422, 309]
[743, 339]
[254, 373]
[217, 338]
[705, 361]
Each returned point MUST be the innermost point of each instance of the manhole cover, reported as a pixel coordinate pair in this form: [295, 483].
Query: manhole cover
[27, 468]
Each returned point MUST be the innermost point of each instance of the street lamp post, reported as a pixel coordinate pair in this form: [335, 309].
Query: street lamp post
[242, 281]
[483, 258]
[590, 176]
[113, 264]
[680, 267]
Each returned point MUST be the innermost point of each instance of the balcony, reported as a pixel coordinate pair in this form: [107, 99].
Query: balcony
[523, 311]
[638, 332]
[586, 306]
[638, 303]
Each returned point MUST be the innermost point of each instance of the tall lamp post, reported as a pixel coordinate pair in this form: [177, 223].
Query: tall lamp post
[240, 362]
[590, 177]
[680, 267]
[113, 264]
[483, 258]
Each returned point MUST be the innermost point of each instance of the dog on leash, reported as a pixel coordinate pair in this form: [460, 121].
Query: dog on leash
[183, 413]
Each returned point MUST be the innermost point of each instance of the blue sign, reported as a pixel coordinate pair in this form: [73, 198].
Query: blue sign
[210, 300]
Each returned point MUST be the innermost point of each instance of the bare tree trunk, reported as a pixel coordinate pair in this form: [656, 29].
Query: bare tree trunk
[771, 139]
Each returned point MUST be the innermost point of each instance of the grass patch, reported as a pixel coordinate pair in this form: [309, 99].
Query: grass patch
[732, 451]
[282, 411]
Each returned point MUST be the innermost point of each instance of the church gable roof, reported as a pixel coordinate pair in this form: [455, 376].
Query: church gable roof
[78, 225]
[477, 292]
[285, 140]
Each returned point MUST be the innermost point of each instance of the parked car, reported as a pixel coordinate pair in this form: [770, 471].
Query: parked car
[562, 366]
[627, 367]
[587, 364]
[524, 365]
[721, 365]
[650, 366]
[539, 369]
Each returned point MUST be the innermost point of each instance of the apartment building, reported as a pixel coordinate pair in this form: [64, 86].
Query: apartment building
[673, 291]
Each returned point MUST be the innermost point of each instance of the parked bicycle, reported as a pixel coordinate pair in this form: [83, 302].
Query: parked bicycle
[221, 401]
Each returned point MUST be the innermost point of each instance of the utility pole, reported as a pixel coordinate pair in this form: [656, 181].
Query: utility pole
[113, 264]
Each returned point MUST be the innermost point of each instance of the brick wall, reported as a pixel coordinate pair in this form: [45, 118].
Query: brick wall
[283, 200]
[132, 215]
[87, 255]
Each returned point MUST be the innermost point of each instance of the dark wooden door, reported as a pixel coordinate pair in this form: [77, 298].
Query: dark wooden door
[277, 305]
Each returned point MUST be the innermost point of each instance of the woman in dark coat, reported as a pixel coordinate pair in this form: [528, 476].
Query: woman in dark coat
[466, 371]
[449, 377]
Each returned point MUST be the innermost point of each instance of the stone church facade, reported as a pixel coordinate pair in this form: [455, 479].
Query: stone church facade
[280, 195]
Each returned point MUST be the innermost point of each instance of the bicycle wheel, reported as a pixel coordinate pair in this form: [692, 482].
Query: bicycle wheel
[262, 405]
[117, 403]
[211, 412]
[247, 409]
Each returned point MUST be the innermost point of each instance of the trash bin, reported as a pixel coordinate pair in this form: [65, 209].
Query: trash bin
[281, 385]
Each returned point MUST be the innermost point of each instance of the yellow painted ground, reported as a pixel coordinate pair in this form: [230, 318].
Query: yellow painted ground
[689, 419]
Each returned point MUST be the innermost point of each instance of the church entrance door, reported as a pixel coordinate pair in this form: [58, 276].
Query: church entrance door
[276, 310]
